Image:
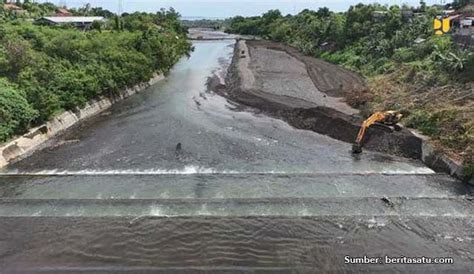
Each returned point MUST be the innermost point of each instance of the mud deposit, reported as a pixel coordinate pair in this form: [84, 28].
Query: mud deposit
[307, 93]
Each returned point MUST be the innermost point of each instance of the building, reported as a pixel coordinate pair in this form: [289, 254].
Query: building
[63, 13]
[463, 26]
[10, 7]
[82, 22]
[13, 8]
[468, 10]
[462, 20]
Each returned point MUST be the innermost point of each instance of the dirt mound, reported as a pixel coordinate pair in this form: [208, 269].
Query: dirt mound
[328, 78]
[303, 106]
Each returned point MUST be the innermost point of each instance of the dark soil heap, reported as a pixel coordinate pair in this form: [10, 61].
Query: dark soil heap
[269, 77]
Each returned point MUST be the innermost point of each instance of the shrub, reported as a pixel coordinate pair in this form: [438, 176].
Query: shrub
[424, 121]
[15, 112]
[405, 55]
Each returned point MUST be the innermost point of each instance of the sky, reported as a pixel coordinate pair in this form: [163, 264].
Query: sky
[228, 8]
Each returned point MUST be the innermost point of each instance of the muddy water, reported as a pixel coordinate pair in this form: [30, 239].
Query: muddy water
[242, 192]
[283, 244]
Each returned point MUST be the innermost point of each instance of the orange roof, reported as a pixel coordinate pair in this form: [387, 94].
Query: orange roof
[63, 11]
[9, 6]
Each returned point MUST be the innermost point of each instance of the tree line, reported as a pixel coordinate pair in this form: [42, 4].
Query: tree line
[368, 38]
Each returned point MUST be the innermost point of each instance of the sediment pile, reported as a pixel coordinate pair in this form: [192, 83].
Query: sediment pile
[307, 93]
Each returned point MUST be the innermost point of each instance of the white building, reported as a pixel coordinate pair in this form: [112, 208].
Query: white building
[83, 22]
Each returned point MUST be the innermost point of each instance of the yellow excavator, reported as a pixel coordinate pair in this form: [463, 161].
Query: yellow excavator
[384, 119]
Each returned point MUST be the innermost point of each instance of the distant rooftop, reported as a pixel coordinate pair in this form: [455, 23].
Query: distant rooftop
[63, 12]
[9, 6]
[468, 10]
[73, 19]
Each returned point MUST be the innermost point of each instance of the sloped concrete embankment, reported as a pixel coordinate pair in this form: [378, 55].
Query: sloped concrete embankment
[37, 137]
[324, 113]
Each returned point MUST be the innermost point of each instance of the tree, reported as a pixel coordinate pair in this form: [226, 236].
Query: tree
[271, 16]
[359, 20]
[15, 112]
[422, 6]
[323, 12]
[18, 55]
[280, 31]
[96, 25]
[118, 23]
[461, 3]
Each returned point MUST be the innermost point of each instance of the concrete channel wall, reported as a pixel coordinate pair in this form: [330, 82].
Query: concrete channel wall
[439, 161]
[36, 137]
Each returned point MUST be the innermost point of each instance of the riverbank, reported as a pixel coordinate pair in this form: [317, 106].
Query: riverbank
[310, 94]
[37, 137]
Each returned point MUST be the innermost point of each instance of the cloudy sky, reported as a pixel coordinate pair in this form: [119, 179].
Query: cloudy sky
[228, 8]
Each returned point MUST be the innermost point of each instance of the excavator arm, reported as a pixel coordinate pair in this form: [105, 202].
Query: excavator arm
[388, 118]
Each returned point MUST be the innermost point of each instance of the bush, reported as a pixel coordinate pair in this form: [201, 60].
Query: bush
[405, 55]
[15, 112]
[280, 32]
[433, 122]
[424, 121]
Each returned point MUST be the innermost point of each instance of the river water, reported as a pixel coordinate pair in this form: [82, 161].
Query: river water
[177, 178]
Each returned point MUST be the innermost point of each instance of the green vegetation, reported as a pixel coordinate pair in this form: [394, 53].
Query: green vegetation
[37, 10]
[429, 78]
[215, 24]
[46, 70]
[15, 111]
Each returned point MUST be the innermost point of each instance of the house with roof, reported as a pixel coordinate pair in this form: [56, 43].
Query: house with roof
[463, 25]
[9, 7]
[81, 22]
[63, 12]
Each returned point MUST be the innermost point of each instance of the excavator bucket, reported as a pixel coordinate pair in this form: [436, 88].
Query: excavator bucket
[385, 120]
[356, 148]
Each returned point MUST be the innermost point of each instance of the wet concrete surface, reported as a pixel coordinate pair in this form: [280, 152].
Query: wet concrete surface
[231, 186]
[179, 179]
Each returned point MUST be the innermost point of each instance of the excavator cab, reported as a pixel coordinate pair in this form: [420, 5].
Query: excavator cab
[386, 120]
